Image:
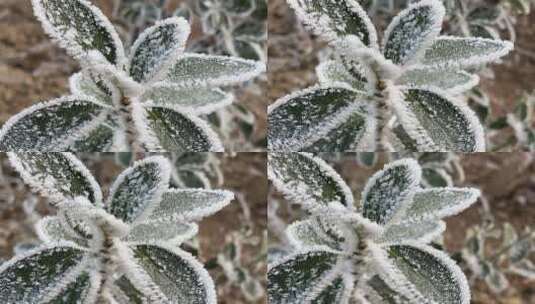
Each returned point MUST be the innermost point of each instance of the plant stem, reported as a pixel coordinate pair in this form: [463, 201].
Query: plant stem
[382, 116]
[132, 135]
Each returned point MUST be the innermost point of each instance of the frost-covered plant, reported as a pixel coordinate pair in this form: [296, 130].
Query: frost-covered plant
[149, 100]
[373, 252]
[125, 249]
[397, 96]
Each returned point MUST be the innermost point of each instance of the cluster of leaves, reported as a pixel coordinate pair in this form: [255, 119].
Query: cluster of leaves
[396, 97]
[125, 249]
[149, 101]
[513, 253]
[373, 252]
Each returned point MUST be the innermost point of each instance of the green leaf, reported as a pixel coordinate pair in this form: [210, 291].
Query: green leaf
[156, 46]
[335, 292]
[438, 122]
[308, 180]
[198, 70]
[195, 100]
[290, 280]
[177, 132]
[176, 273]
[189, 204]
[426, 274]
[60, 177]
[390, 189]
[307, 233]
[98, 140]
[79, 27]
[454, 82]
[421, 232]
[436, 177]
[82, 84]
[332, 19]
[457, 52]
[333, 73]
[301, 119]
[77, 290]
[28, 278]
[387, 294]
[130, 292]
[154, 232]
[52, 229]
[50, 126]
[412, 31]
[139, 188]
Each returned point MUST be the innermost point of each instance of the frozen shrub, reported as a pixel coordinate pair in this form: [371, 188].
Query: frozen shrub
[125, 249]
[149, 100]
[376, 251]
[395, 96]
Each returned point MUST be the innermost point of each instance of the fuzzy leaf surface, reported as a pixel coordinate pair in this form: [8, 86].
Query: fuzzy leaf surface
[99, 139]
[333, 73]
[57, 176]
[156, 46]
[195, 100]
[306, 233]
[335, 292]
[307, 180]
[76, 291]
[50, 125]
[82, 84]
[450, 81]
[139, 188]
[421, 232]
[132, 294]
[52, 229]
[154, 232]
[387, 294]
[390, 189]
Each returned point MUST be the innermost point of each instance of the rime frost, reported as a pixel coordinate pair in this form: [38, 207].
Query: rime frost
[377, 251]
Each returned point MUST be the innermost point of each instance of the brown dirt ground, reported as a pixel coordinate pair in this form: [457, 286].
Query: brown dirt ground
[244, 174]
[508, 182]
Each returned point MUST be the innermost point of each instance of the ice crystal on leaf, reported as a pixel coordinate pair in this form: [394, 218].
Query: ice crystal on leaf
[376, 251]
[400, 96]
[149, 100]
[125, 249]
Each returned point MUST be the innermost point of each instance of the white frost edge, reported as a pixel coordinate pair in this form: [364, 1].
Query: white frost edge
[52, 291]
[342, 267]
[197, 213]
[340, 117]
[319, 24]
[145, 134]
[180, 36]
[438, 12]
[42, 231]
[137, 275]
[426, 238]
[455, 90]
[86, 130]
[473, 60]
[73, 48]
[393, 276]
[164, 174]
[325, 81]
[42, 105]
[324, 168]
[37, 186]
[415, 176]
[175, 241]
[256, 67]
[474, 125]
[203, 127]
[450, 210]
[202, 110]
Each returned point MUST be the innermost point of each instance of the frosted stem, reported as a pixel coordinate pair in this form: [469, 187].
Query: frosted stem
[132, 135]
[382, 116]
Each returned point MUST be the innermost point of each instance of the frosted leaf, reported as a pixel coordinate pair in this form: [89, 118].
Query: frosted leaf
[52, 229]
[82, 84]
[436, 177]
[306, 233]
[99, 139]
[57, 176]
[332, 19]
[449, 124]
[180, 132]
[168, 232]
[27, 278]
[189, 204]
[437, 203]
[291, 279]
[199, 70]
[412, 31]
[48, 126]
[180, 277]
[195, 100]
[299, 120]
[157, 47]
[335, 292]
[139, 188]
[80, 289]
[425, 274]
[421, 232]
[456, 52]
[78, 26]
[129, 291]
[308, 180]
[390, 189]
[332, 73]
[451, 81]
[385, 292]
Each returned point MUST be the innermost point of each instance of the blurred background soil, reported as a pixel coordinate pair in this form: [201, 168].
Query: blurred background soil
[245, 217]
[33, 68]
[507, 181]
